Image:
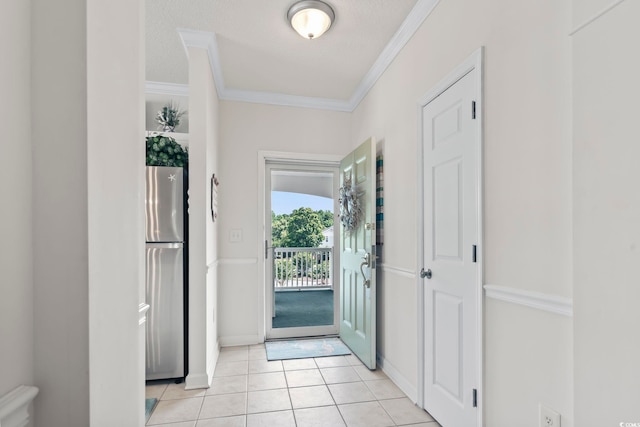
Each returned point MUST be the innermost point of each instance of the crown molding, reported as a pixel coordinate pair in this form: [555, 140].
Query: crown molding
[170, 89]
[595, 17]
[282, 99]
[408, 28]
[195, 38]
[207, 40]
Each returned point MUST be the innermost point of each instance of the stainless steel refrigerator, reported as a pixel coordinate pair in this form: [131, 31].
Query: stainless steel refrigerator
[165, 272]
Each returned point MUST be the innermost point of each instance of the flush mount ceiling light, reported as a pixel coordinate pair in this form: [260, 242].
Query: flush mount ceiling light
[311, 18]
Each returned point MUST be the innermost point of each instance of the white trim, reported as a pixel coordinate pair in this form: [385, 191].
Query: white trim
[207, 40]
[473, 62]
[235, 340]
[409, 26]
[237, 261]
[299, 159]
[213, 361]
[545, 302]
[285, 100]
[14, 406]
[410, 274]
[596, 17]
[213, 265]
[162, 88]
[266, 158]
[195, 38]
[305, 331]
[142, 314]
[198, 381]
[398, 379]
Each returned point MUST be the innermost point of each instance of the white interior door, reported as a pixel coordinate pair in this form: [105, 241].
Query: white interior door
[358, 257]
[451, 146]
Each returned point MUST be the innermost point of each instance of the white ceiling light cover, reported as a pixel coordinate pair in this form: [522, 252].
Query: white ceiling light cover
[311, 18]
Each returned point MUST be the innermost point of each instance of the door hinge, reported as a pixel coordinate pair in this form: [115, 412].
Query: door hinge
[473, 110]
[475, 398]
[474, 256]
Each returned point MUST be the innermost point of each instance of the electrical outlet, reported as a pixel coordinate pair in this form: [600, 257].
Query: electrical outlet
[549, 417]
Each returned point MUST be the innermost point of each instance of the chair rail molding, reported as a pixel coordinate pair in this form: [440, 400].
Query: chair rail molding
[237, 261]
[409, 274]
[545, 302]
[14, 406]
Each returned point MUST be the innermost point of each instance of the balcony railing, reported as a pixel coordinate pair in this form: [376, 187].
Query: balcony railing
[302, 268]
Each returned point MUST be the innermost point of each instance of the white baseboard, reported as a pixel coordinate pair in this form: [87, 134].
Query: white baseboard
[14, 406]
[234, 340]
[197, 381]
[213, 361]
[203, 379]
[399, 379]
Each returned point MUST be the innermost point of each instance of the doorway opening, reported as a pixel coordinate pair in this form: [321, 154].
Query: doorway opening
[301, 286]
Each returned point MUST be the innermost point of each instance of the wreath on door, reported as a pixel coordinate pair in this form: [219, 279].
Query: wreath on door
[350, 210]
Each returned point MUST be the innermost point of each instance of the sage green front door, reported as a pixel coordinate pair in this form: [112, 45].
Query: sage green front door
[357, 253]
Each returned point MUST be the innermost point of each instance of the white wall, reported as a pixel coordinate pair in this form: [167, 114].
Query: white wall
[203, 234]
[115, 83]
[527, 193]
[245, 130]
[606, 89]
[212, 234]
[16, 259]
[60, 200]
[87, 212]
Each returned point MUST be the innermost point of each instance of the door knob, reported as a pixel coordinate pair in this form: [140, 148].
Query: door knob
[426, 274]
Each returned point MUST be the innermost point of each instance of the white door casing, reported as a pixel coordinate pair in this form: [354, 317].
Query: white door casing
[298, 163]
[451, 277]
[358, 257]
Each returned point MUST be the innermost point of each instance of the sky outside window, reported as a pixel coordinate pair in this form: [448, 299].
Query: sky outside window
[285, 203]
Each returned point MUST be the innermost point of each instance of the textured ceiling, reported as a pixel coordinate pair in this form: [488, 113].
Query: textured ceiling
[259, 51]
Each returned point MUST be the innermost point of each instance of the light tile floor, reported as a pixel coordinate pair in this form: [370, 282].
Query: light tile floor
[249, 391]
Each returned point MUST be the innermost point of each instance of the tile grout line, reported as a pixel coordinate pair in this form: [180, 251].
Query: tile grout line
[246, 396]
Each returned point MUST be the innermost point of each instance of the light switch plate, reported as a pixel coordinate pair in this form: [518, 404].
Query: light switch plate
[235, 235]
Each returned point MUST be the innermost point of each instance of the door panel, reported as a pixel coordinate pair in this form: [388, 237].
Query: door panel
[358, 277]
[451, 155]
[447, 324]
[447, 217]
